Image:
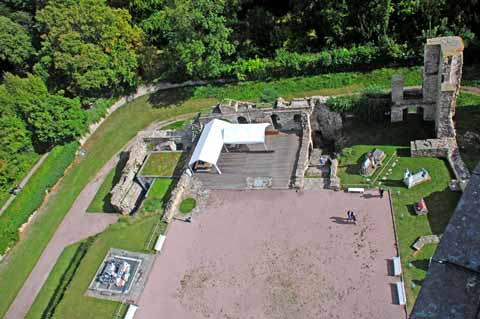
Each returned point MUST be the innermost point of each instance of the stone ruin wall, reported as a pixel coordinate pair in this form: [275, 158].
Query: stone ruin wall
[126, 193]
[304, 152]
[442, 73]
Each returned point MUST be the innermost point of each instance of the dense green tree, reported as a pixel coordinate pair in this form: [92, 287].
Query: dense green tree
[15, 45]
[51, 119]
[15, 148]
[88, 48]
[195, 34]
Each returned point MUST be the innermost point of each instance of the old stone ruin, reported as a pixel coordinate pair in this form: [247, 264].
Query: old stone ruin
[128, 192]
[318, 129]
[371, 162]
[442, 73]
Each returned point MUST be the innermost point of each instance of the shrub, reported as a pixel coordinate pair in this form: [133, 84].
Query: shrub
[341, 103]
[269, 94]
[187, 205]
[31, 197]
[98, 110]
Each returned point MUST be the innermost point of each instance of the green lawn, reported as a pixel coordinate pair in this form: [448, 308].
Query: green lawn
[101, 201]
[157, 195]
[351, 160]
[161, 164]
[441, 203]
[176, 125]
[123, 125]
[187, 205]
[54, 279]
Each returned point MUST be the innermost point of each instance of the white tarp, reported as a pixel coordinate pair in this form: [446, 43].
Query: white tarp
[216, 133]
[244, 134]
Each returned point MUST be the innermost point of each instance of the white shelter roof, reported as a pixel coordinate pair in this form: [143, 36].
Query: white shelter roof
[216, 133]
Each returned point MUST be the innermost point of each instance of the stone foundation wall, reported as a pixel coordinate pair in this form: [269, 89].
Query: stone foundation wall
[444, 148]
[126, 193]
[303, 154]
[176, 196]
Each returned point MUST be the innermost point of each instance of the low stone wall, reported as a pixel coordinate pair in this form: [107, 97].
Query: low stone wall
[305, 145]
[183, 184]
[444, 148]
[429, 148]
[425, 240]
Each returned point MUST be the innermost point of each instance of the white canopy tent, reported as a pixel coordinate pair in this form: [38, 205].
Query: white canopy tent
[217, 133]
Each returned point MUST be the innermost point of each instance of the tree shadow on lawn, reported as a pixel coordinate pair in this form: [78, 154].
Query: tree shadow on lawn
[441, 206]
[386, 133]
[421, 264]
[170, 97]
[107, 206]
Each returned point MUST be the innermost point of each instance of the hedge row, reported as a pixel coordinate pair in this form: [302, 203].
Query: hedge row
[287, 63]
[31, 197]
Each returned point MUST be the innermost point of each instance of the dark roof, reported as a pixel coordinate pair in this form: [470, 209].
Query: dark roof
[452, 286]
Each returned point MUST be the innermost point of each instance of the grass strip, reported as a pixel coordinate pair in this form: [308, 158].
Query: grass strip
[58, 280]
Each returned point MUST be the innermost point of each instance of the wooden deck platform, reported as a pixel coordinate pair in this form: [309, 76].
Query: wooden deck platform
[236, 167]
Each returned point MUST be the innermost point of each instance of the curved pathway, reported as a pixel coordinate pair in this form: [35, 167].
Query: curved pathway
[77, 225]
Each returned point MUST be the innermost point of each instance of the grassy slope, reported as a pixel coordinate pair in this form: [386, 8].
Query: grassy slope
[100, 201]
[53, 281]
[122, 125]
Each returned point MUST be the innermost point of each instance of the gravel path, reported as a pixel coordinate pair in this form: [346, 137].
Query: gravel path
[276, 255]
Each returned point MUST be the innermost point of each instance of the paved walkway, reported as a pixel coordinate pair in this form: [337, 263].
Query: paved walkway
[277, 254]
[24, 181]
[77, 225]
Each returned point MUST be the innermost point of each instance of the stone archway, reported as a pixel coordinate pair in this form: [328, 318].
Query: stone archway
[242, 120]
[276, 121]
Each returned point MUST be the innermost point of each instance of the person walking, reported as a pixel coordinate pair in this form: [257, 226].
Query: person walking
[349, 215]
[354, 218]
[380, 191]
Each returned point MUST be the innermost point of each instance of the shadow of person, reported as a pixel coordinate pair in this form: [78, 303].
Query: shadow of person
[340, 220]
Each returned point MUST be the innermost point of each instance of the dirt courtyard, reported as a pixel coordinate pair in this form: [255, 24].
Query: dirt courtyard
[276, 254]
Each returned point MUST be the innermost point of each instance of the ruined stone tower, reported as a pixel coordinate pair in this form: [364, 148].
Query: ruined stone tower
[442, 73]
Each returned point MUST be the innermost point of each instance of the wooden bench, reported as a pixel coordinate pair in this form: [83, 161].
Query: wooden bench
[356, 190]
[397, 266]
[402, 300]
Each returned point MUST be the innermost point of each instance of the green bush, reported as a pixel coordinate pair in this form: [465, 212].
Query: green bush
[187, 205]
[371, 105]
[31, 197]
[286, 63]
